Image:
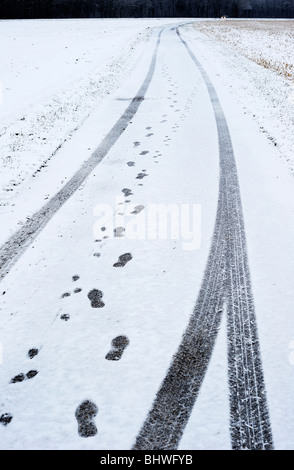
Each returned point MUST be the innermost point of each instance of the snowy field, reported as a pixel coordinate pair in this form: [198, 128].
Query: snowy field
[53, 74]
[70, 295]
[268, 95]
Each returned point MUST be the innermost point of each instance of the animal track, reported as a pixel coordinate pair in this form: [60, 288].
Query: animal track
[131, 163]
[31, 374]
[118, 344]
[21, 377]
[144, 152]
[123, 260]
[127, 192]
[95, 297]
[64, 317]
[77, 290]
[66, 294]
[5, 418]
[85, 414]
[141, 176]
[17, 378]
[32, 352]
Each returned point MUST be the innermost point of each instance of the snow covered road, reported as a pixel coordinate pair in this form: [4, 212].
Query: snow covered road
[99, 285]
[226, 282]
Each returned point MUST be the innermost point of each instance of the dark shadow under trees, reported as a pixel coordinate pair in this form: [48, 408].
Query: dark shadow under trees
[10, 9]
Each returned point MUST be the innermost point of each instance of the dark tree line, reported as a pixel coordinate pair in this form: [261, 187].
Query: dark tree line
[145, 8]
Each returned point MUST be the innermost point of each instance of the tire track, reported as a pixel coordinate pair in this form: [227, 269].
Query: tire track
[15, 246]
[226, 281]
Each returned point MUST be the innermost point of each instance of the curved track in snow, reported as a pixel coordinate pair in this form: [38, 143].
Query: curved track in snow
[225, 286]
[22, 239]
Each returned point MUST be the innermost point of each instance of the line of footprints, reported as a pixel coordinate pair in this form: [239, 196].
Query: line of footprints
[6, 418]
[87, 410]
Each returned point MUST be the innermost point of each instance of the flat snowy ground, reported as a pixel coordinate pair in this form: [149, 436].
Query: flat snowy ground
[68, 295]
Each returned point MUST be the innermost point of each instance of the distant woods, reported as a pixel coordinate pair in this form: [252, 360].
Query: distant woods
[145, 8]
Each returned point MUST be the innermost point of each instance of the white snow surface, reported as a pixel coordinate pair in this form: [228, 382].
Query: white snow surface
[65, 83]
[53, 75]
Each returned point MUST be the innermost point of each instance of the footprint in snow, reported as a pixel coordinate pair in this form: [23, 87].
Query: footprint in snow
[66, 294]
[85, 414]
[118, 344]
[123, 260]
[64, 317]
[33, 352]
[76, 290]
[95, 297]
[5, 418]
[141, 176]
[21, 377]
[127, 192]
